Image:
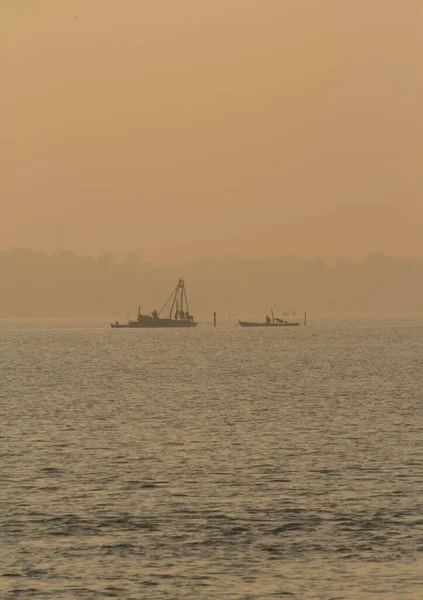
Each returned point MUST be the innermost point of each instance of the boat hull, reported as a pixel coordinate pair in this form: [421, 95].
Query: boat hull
[159, 323]
[252, 324]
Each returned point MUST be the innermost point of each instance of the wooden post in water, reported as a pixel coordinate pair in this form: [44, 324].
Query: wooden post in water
[305, 317]
[214, 318]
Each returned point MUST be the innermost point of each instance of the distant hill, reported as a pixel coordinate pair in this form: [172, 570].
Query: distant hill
[34, 284]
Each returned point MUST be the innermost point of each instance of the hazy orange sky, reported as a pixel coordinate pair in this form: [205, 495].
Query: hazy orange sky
[181, 128]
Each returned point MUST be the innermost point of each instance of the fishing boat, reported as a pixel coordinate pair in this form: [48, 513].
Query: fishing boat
[265, 324]
[178, 315]
[269, 322]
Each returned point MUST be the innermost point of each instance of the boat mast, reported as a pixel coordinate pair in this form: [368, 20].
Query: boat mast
[177, 297]
[185, 294]
[181, 287]
[172, 295]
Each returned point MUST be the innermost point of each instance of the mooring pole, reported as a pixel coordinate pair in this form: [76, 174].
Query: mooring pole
[305, 317]
[214, 318]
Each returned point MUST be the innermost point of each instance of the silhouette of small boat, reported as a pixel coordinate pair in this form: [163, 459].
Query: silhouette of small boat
[275, 324]
[269, 322]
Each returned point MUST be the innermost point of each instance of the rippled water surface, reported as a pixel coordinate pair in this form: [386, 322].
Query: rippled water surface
[201, 464]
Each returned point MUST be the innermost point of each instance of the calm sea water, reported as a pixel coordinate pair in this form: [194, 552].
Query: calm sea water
[201, 464]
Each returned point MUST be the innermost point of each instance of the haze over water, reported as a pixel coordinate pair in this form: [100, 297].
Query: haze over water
[269, 153]
[205, 463]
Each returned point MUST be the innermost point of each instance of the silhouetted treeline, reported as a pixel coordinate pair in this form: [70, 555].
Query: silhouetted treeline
[34, 284]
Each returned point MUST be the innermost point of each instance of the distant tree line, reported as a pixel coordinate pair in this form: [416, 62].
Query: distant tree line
[35, 284]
